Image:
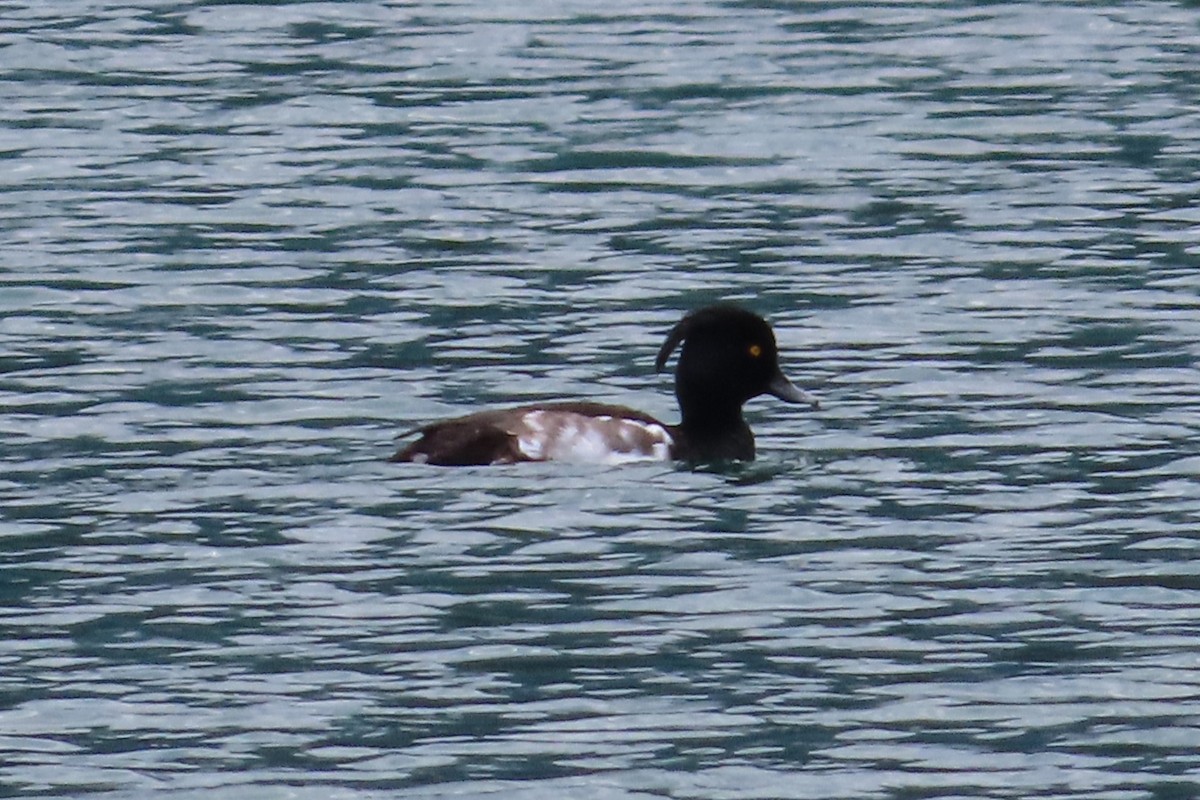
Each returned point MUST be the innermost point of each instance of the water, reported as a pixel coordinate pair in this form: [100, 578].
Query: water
[245, 246]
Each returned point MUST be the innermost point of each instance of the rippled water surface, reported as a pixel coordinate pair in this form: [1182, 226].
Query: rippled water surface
[245, 246]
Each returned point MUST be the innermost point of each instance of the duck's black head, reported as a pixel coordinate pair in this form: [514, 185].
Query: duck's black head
[728, 356]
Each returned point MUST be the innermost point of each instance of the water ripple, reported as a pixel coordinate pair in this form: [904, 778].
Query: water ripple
[246, 246]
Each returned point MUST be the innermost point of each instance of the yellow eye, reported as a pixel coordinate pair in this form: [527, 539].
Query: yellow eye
[755, 351]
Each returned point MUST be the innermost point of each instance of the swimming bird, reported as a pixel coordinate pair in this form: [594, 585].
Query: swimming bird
[728, 356]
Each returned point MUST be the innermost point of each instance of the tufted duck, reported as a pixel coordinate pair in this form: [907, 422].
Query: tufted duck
[728, 357]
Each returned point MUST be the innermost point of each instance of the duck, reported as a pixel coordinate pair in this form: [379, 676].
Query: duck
[727, 356]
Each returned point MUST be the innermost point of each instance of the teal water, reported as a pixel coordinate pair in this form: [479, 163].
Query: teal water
[245, 246]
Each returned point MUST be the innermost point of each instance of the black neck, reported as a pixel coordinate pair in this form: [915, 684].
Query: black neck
[713, 434]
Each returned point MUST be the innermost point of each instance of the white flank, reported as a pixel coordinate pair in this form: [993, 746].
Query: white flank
[532, 439]
[567, 436]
